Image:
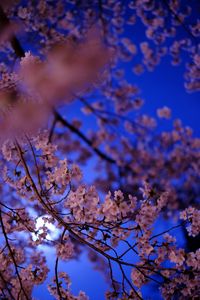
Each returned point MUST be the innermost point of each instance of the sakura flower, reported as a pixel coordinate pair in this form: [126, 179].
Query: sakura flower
[164, 112]
[177, 257]
[66, 249]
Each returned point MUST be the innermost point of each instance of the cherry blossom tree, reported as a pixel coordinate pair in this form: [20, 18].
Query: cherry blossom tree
[63, 56]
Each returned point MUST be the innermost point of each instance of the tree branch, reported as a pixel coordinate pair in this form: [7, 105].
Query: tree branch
[83, 137]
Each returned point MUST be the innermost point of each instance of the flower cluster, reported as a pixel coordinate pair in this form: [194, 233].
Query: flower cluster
[192, 215]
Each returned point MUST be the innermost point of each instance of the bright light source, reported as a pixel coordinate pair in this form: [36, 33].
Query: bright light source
[53, 232]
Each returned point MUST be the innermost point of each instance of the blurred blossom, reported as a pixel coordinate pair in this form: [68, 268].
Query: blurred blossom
[22, 118]
[8, 31]
[69, 68]
[8, 3]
